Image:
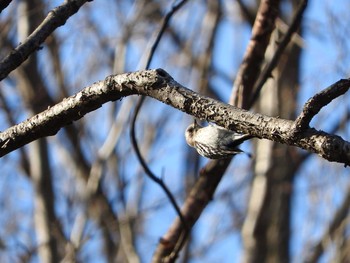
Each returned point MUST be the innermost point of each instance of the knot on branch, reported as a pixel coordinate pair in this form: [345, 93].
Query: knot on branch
[336, 148]
[162, 78]
[333, 144]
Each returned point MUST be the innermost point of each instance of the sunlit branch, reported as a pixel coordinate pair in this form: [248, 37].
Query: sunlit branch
[159, 85]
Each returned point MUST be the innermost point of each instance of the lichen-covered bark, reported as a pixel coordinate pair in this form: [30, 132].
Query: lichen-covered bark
[159, 85]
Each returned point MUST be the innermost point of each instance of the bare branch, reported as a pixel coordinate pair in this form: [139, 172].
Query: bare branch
[317, 102]
[266, 73]
[56, 18]
[159, 85]
[150, 174]
[254, 55]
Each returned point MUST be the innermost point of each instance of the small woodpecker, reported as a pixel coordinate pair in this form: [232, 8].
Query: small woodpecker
[214, 142]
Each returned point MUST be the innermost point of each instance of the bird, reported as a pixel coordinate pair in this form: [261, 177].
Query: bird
[214, 142]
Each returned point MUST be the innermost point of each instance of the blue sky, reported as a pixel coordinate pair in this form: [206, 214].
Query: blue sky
[324, 61]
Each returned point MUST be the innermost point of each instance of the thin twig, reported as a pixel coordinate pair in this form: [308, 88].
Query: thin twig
[139, 104]
[148, 171]
[163, 27]
[266, 73]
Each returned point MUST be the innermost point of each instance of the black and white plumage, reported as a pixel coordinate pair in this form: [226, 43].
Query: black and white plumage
[214, 142]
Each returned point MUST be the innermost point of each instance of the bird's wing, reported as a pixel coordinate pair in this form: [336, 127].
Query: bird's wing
[239, 138]
[231, 140]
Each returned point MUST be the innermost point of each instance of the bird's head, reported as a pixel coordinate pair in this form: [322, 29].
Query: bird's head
[190, 132]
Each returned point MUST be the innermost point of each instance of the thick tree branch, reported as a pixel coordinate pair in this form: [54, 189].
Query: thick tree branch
[56, 18]
[159, 85]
